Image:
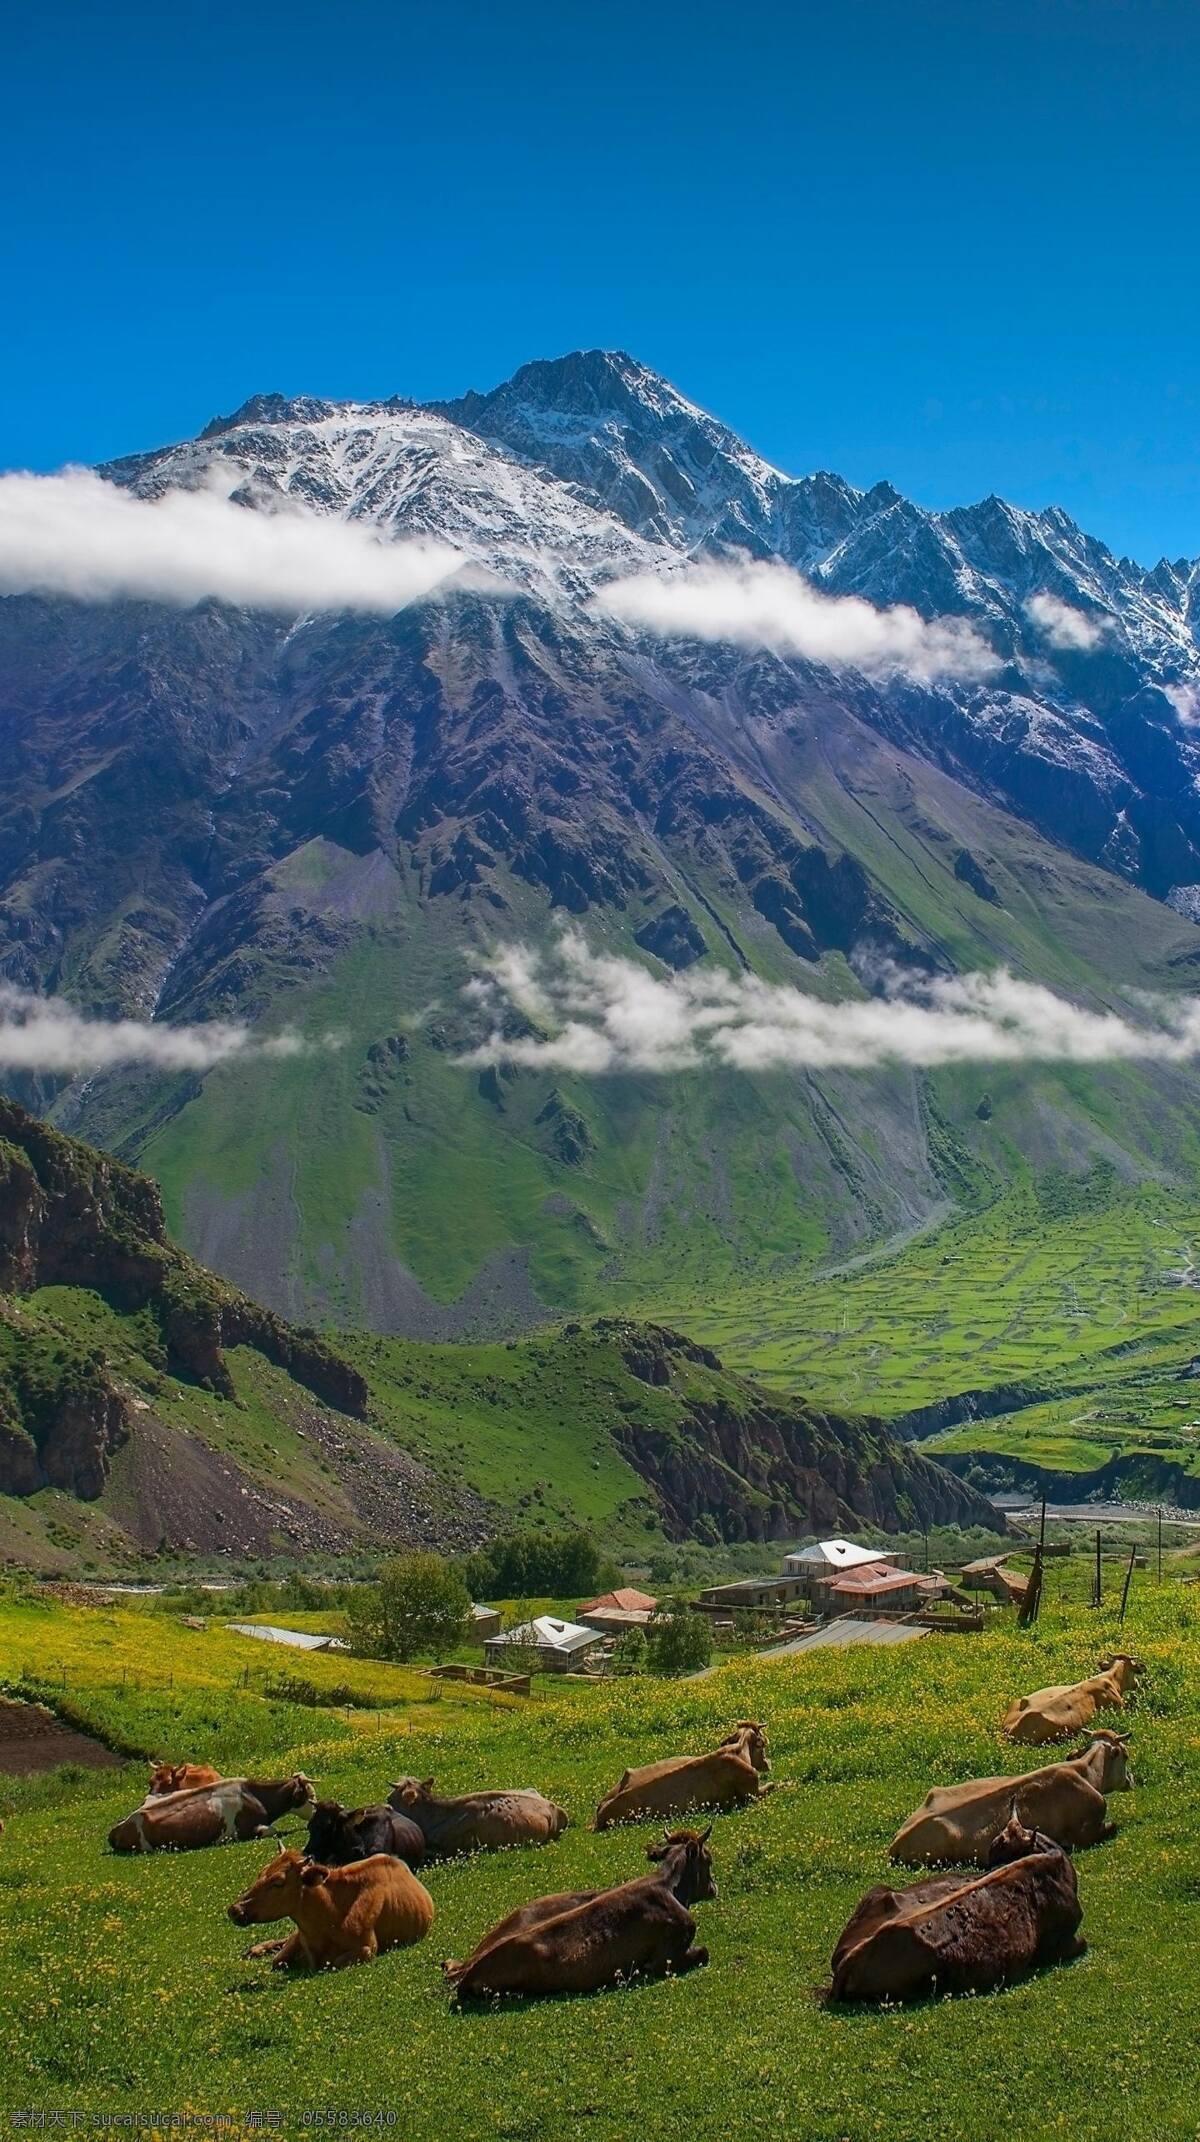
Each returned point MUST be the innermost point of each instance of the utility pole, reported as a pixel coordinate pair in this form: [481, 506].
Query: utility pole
[1098, 1582]
[1160, 1543]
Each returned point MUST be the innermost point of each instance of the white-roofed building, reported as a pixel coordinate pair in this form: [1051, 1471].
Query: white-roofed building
[560, 1645]
[834, 1557]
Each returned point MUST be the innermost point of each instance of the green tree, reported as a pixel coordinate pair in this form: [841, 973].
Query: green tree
[418, 1603]
[629, 1651]
[537, 1565]
[680, 1640]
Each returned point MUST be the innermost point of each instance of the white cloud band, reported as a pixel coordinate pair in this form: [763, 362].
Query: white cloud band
[599, 1012]
[47, 1035]
[75, 535]
[769, 606]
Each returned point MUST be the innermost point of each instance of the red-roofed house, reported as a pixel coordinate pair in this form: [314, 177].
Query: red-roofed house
[897, 1590]
[623, 1608]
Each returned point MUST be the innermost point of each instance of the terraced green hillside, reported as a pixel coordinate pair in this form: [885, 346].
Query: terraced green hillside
[1059, 1330]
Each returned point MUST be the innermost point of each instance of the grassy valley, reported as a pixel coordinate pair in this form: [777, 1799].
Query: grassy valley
[92, 1948]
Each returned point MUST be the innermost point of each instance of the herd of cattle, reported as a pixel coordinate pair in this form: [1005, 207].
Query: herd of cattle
[352, 1893]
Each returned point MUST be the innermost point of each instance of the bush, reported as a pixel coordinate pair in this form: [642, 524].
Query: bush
[629, 1651]
[680, 1640]
[418, 1603]
[339, 1696]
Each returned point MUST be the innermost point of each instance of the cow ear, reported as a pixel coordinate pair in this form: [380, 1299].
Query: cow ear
[706, 1834]
[312, 1873]
[427, 1784]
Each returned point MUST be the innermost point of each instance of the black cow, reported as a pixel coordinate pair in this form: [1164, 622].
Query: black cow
[338, 1835]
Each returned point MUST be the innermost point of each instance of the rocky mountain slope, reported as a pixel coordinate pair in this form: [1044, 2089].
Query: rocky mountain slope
[145, 1404]
[326, 822]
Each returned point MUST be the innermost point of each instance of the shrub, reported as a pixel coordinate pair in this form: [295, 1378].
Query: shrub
[629, 1651]
[418, 1603]
[680, 1640]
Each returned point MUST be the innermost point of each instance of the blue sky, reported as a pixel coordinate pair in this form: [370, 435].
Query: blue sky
[952, 245]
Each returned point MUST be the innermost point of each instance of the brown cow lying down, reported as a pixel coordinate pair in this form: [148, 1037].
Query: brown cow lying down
[957, 1824]
[727, 1778]
[585, 1939]
[1058, 1713]
[477, 1821]
[227, 1813]
[945, 1935]
[179, 1777]
[343, 1915]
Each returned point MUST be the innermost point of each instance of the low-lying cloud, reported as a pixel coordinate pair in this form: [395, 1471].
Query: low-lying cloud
[592, 1012]
[767, 605]
[48, 1035]
[1067, 629]
[76, 535]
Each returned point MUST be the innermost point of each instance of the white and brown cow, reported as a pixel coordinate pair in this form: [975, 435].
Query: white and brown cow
[228, 1813]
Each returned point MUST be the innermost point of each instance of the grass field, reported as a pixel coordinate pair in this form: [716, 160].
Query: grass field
[126, 1987]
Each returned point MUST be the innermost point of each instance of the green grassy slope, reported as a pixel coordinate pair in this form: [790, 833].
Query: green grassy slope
[94, 1950]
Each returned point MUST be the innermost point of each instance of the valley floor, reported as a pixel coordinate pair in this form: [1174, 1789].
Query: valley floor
[126, 1987]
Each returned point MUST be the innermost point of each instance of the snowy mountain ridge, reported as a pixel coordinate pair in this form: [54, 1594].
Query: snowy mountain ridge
[582, 468]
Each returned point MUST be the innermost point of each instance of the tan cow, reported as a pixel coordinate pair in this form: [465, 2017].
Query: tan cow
[956, 1825]
[1060, 1712]
[179, 1777]
[728, 1777]
[343, 1915]
[227, 1813]
[477, 1821]
[581, 1941]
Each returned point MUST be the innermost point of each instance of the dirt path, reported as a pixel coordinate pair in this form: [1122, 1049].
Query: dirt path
[32, 1739]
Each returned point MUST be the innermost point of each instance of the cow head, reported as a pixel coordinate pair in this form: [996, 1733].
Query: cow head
[326, 1829]
[750, 1739]
[1117, 1777]
[687, 1864]
[164, 1778]
[411, 1794]
[1014, 1841]
[300, 1791]
[277, 1891]
[1123, 1667]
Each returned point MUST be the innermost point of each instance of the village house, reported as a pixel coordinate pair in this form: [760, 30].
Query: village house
[830, 1577]
[825, 1560]
[624, 1608]
[561, 1646]
[872, 1588]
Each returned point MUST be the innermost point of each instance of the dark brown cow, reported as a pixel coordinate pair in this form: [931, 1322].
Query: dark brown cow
[477, 1821]
[227, 1813]
[337, 1835]
[582, 1940]
[945, 1935]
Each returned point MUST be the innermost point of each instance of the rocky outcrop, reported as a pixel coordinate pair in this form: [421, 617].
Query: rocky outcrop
[73, 1217]
[734, 1459]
